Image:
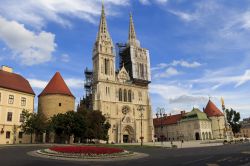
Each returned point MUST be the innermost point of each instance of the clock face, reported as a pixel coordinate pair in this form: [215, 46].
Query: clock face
[125, 110]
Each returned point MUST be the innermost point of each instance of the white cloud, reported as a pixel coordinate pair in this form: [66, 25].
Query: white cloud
[161, 1]
[144, 2]
[35, 83]
[38, 13]
[243, 79]
[179, 98]
[65, 58]
[183, 15]
[167, 73]
[220, 80]
[29, 48]
[245, 19]
[167, 91]
[188, 99]
[181, 63]
[74, 83]
[186, 64]
[147, 2]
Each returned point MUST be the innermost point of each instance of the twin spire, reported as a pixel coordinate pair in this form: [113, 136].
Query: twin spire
[103, 29]
[131, 35]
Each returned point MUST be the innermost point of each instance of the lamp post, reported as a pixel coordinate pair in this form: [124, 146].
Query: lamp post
[141, 109]
[160, 115]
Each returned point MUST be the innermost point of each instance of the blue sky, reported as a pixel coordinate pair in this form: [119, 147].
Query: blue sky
[198, 49]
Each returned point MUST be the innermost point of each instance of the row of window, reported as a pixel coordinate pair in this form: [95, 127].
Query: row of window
[11, 100]
[125, 95]
[20, 135]
[10, 115]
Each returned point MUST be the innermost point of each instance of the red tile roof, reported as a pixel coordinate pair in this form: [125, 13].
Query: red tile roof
[56, 86]
[15, 82]
[212, 110]
[168, 120]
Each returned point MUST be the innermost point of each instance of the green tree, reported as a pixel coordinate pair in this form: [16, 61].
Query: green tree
[97, 126]
[233, 118]
[65, 125]
[82, 124]
[33, 123]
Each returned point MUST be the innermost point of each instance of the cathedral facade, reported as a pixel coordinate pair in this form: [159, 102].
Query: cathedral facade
[121, 93]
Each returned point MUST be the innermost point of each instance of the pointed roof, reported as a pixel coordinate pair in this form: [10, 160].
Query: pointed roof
[103, 33]
[56, 86]
[195, 114]
[132, 34]
[212, 110]
[15, 82]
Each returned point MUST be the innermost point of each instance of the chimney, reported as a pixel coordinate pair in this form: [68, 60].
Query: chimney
[183, 112]
[7, 69]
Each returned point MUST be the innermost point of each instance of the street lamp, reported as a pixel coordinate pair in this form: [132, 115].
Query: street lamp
[160, 115]
[141, 109]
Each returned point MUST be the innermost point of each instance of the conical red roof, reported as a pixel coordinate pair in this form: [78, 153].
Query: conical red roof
[56, 86]
[212, 110]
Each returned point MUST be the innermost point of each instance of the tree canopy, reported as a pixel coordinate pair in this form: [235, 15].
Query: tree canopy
[82, 124]
[233, 118]
[33, 123]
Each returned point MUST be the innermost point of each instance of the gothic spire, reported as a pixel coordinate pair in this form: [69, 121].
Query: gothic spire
[103, 28]
[132, 36]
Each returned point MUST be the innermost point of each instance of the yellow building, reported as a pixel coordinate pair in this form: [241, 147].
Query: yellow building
[122, 95]
[16, 95]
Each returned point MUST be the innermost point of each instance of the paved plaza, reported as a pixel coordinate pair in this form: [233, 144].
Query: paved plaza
[228, 155]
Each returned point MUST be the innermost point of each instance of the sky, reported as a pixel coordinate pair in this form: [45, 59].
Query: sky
[198, 49]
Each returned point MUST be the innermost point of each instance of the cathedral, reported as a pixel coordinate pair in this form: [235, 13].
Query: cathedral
[121, 93]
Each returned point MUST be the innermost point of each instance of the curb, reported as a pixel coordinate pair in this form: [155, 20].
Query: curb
[135, 155]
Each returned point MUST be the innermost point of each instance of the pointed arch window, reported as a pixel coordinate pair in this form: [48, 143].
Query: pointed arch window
[125, 95]
[106, 66]
[120, 94]
[129, 96]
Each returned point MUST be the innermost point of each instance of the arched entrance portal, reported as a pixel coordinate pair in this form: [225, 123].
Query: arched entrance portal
[128, 134]
[197, 136]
